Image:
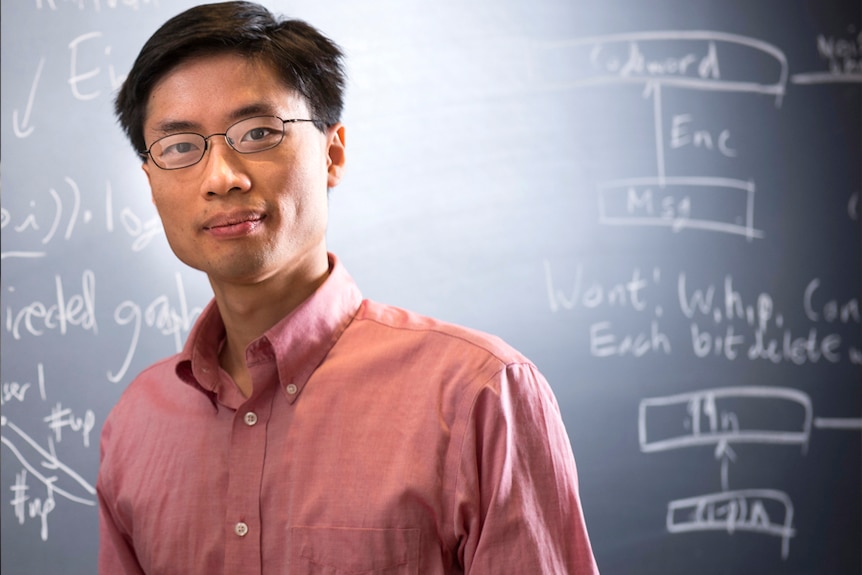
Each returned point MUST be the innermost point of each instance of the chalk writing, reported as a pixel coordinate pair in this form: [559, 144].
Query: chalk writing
[59, 482]
[787, 345]
[744, 510]
[62, 418]
[679, 204]
[809, 348]
[705, 203]
[16, 392]
[702, 301]
[59, 218]
[830, 310]
[708, 417]
[624, 59]
[160, 314]
[95, 5]
[682, 136]
[27, 507]
[604, 342]
[842, 57]
[725, 416]
[705, 312]
[843, 54]
[61, 314]
[21, 126]
[724, 322]
[76, 78]
[63, 482]
[629, 292]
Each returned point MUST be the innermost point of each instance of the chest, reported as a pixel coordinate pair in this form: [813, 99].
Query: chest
[274, 481]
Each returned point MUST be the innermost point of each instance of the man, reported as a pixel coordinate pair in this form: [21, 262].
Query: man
[302, 429]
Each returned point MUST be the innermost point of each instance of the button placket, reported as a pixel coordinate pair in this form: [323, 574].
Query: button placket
[246, 464]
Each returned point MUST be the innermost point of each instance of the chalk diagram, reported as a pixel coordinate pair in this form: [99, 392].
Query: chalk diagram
[57, 478]
[721, 417]
[707, 202]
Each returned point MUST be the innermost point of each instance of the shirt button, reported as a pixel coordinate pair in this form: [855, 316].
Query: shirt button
[291, 388]
[240, 529]
[250, 418]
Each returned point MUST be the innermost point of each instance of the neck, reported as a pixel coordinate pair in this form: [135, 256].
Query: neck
[249, 310]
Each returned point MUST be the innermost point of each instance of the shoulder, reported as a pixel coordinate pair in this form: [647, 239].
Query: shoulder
[388, 343]
[153, 388]
[157, 373]
[387, 321]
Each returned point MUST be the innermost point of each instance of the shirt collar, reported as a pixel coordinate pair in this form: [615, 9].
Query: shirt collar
[299, 341]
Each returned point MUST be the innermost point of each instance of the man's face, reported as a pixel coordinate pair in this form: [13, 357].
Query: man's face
[242, 218]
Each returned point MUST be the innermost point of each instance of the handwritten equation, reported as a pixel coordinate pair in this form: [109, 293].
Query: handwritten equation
[54, 217]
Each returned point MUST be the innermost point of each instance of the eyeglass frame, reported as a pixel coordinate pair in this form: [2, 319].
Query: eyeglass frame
[148, 152]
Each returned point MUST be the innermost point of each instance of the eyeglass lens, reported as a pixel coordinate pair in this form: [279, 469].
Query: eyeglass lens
[246, 137]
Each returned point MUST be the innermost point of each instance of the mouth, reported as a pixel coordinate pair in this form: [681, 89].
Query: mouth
[233, 224]
[229, 220]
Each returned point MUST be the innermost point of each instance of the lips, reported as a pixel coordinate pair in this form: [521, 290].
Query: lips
[232, 219]
[233, 225]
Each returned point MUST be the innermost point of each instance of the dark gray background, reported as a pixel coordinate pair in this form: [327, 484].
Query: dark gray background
[487, 142]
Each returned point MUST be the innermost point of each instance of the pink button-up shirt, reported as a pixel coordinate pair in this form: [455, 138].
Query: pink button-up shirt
[375, 441]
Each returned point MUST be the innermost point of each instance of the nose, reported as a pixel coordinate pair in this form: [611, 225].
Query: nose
[224, 169]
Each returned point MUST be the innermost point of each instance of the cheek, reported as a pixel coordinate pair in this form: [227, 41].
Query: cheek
[300, 191]
[171, 213]
[163, 206]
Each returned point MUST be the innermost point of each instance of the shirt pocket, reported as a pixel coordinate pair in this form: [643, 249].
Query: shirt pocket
[354, 551]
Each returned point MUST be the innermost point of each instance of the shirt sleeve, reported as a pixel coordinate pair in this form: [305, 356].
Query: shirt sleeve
[517, 504]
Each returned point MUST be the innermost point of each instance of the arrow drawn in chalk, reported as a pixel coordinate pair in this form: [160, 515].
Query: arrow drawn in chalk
[22, 128]
[724, 452]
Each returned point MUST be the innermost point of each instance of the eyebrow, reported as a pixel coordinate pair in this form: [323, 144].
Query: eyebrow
[256, 109]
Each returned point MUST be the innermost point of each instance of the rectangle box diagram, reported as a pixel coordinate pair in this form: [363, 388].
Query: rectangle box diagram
[723, 205]
[725, 416]
[763, 511]
[692, 59]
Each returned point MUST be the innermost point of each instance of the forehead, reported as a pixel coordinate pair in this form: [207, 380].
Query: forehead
[214, 89]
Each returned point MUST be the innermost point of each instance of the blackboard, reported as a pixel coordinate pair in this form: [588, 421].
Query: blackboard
[658, 202]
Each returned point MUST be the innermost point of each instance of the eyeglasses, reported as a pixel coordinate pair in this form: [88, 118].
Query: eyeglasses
[246, 137]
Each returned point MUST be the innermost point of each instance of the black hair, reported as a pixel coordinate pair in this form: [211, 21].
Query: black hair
[304, 59]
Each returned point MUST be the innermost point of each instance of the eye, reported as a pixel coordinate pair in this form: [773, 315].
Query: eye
[179, 145]
[256, 134]
[259, 134]
[179, 148]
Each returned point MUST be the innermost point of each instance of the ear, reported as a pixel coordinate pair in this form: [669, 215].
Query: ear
[335, 155]
[146, 168]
